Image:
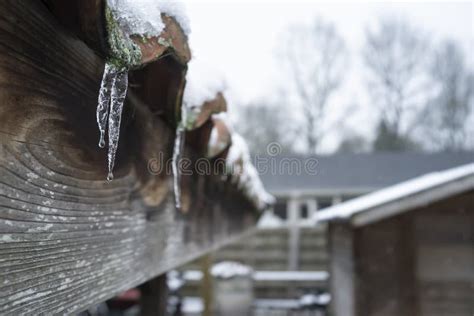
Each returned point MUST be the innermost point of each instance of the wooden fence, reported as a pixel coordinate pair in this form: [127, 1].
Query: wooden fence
[68, 238]
[267, 250]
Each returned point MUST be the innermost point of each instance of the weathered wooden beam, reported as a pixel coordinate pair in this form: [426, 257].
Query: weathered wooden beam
[68, 238]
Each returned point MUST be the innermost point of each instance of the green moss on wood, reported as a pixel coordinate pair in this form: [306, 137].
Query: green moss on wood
[124, 53]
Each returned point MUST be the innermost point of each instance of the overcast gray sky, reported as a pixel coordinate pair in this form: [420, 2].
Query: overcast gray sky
[240, 37]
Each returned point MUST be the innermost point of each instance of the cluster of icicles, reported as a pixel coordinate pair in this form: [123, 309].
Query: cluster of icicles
[112, 94]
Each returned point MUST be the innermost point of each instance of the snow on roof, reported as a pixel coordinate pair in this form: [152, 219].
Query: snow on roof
[217, 145]
[238, 150]
[143, 17]
[402, 190]
[203, 82]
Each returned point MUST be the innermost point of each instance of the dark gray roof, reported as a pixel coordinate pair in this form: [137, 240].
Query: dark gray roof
[355, 172]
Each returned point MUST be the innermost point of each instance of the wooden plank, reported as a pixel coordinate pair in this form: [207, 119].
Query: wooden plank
[385, 264]
[68, 238]
[206, 286]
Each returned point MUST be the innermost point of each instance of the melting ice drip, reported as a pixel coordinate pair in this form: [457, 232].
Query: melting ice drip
[178, 143]
[113, 91]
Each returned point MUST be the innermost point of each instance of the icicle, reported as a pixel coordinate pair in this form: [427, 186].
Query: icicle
[178, 142]
[119, 92]
[113, 91]
[110, 72]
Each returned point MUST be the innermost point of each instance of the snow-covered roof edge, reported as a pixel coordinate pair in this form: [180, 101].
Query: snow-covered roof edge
[416, 192]
[246, 175]
[203, 82]
[140, 31]
[143, 17]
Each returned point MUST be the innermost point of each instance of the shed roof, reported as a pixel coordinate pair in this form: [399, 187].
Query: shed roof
[402, 197]
[357, 173]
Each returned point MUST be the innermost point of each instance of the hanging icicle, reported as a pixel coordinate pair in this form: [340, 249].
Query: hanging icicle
[113, 91]
[178, 143]
[119, 92]
[104, 101]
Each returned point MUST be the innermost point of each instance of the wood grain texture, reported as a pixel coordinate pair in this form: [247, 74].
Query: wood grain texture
[68, 238]
[85, 18]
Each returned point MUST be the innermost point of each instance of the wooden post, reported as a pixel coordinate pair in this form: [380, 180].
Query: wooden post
[154, 297]
[312, 207]
[206, 284]
[294, 234]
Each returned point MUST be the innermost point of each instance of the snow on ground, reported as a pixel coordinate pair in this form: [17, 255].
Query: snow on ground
[276, 276]
[174, 280]
[230, 269]
[269, 220]
[195, 305]
[395, 192]
[143, 17]
[290, 276]
[315, 299]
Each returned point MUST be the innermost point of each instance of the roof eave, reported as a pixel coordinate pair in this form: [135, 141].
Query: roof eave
[411, 202]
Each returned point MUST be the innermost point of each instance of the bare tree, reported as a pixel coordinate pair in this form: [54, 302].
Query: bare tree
[452, 106]
[262, 124]
[395, 55]
[353, 143]
[387, 140]
[315, 57]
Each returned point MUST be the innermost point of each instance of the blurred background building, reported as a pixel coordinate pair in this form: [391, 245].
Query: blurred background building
[405, 250]
[289, 254]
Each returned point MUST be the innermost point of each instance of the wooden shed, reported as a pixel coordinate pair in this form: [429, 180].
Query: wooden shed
[70, 239]
[405, 250]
